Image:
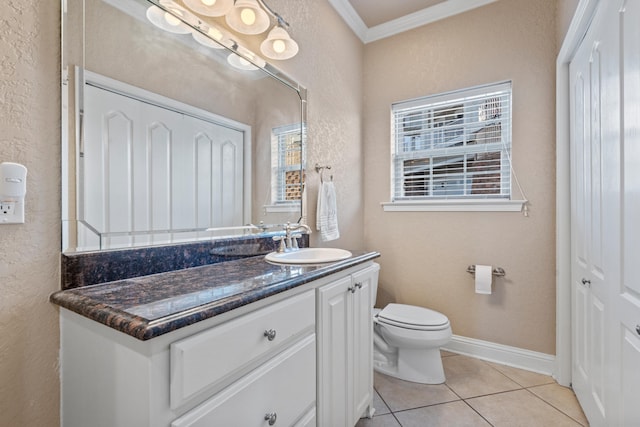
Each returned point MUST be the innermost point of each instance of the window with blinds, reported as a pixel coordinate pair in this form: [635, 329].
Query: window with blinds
[454, 145]
[286, 168]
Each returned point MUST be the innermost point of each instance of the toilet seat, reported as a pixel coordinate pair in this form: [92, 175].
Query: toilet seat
[412, 317]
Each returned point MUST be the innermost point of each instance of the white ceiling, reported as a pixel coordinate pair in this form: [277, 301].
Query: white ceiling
[373, 20]
[375, 12]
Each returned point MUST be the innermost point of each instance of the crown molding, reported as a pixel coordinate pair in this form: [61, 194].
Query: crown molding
[417, 19]
[351, 17]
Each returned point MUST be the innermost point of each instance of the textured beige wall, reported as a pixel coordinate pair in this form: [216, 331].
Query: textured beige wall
[329, 65]
[425, 254]
[30, 253]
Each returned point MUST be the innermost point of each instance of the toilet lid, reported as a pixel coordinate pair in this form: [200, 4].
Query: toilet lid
[412, 316]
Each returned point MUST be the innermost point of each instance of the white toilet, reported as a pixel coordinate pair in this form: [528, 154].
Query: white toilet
[407, 341]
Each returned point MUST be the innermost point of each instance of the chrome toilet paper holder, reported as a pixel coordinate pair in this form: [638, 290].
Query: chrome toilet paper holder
[498, 271]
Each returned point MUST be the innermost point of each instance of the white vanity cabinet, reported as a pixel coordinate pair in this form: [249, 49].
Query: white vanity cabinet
[299, 358]
[230, 370]
[345, 348]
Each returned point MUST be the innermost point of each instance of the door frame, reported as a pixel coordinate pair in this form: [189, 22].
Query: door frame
[577, 30]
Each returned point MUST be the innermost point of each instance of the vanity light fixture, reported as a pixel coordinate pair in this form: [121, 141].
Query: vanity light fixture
[251, 17]
[210, 7]
[166, 20]
[214, 33]
[248, 17]
[279, 44]
[236, 61]
[244, 59]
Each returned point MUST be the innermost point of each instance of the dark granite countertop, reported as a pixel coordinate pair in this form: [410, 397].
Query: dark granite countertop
[149, 306]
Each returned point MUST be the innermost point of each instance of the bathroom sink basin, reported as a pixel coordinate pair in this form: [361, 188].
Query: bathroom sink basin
[308, 256]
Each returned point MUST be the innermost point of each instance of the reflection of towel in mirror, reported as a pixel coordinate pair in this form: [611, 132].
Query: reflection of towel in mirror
[327, 215]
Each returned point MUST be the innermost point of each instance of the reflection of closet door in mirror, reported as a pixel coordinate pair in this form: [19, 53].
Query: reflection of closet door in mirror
[153, 175]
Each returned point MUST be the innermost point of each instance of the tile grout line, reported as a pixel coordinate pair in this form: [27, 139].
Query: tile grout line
[467, 403]
[479, 414]
[527, 389]
[388, 407]
[553, 406]
[427, 406]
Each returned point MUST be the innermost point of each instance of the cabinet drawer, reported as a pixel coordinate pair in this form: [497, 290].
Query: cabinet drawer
[284, 386]
[212, 359]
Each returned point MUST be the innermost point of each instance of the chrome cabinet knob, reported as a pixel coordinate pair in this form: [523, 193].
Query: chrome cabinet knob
[271, 417]
[270, 334]
[586, 282]
[355, 287]
[638, 329]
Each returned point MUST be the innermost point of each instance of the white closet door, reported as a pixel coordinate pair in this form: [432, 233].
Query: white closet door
[148, 168]
[592, 71]
[605, 144]
[220, 173]
[626, 295]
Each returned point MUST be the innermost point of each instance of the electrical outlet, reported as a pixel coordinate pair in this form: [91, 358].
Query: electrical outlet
[7, 208]
[11, 212]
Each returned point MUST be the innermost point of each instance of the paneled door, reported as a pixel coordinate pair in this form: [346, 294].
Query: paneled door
[153, 174]
[590, 275]
[626, 295]
[605, 173]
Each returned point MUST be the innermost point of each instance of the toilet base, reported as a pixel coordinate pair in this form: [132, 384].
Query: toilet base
[422, 366]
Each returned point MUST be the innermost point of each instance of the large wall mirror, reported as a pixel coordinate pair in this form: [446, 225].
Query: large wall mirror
[168, 136]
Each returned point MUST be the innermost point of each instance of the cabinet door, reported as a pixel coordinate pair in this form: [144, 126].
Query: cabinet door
[334, 353]
[363, 300]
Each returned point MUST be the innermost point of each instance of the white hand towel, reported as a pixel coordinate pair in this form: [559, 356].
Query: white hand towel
[327, 215]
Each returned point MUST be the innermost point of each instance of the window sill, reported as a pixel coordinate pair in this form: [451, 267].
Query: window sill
[282, 208]
[484, 205]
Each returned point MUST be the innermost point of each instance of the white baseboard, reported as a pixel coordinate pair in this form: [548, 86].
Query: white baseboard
[506, 355]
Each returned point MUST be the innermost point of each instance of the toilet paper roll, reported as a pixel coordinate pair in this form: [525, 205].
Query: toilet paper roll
[484, 276]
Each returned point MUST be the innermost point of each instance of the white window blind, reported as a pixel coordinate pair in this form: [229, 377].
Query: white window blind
[286, 168]
[454, 145]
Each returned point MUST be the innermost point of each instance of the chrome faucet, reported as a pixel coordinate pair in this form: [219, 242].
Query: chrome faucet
[289, 242]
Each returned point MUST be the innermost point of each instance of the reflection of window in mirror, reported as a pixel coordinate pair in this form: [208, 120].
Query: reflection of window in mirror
[286, 168]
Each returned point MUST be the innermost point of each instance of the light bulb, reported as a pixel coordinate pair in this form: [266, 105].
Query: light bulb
[248, 16]
[208, 2]
[279, 46]
[171, 20]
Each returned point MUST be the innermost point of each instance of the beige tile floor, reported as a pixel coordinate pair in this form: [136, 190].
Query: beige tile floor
[476, 393]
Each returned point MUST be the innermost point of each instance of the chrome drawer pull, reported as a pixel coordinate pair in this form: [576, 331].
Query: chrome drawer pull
[359, 285]
[271, 417]
[586, 282]
[638, 329]
[270, 334]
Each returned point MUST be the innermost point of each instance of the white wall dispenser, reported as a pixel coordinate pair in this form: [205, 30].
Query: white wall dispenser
[13, 188]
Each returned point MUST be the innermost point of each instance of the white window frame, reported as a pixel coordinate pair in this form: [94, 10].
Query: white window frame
[279, 168]
[439, 148]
